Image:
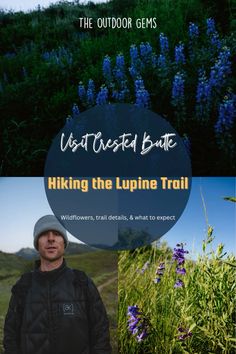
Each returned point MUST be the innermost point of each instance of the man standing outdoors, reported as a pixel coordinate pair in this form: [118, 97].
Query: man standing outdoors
[55, 309]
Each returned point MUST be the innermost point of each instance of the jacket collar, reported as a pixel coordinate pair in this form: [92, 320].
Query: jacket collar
[52, 274]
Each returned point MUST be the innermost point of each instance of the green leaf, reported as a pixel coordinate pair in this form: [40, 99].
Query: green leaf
[192, 327]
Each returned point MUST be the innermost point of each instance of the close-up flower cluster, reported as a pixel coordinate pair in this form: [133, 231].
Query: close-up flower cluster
[125, 81]
[179, 258]
[137, 323]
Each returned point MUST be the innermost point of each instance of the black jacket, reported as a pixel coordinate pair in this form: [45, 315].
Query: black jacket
[61, 312]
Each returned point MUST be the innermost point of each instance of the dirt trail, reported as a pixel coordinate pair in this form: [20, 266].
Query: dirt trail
[108, 282]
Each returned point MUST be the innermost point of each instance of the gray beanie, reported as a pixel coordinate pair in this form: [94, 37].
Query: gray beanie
[46, 223]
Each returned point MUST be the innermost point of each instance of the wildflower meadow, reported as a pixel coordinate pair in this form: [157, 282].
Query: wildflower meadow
[170, 303]
[182, 69]
[191, 86]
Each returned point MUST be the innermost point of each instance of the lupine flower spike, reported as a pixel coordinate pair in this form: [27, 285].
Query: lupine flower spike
[142, 95]
[227, 115]
[178, 90]
[179, 54]
[106, 68]
[102, 96]
[75, 111]
[160, 271]
[138, 324]
[164, 44]
[179, 257]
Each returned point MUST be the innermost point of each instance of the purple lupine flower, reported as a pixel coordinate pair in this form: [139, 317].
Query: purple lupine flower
[106, 68]
[69, 122]
[221, 69]
[90, 94]
[203, 96]
[102, 96]
[120, 95]
[123, 93]
[75, 111]
[157, 280]
[138, 324]
[135, 61]
[90, 97]
[179, 283]
[178, 254]
[178, 90]
[224, 57]
[179, 54]
[213, 34]
[142, 95]
[133, 71]
[179, 257]
[161, 266]
[181, 271]
[215, 40]
[159, 271]
[142, 99]
[163, 65]
[133, 322]
[211, 27]
[226, 116]
[184, 333]
[133, 53]
[133, 310]
[139, 84]
[81, 91]
[142, 336]
[154, 60]
[164, 44]
[120, 61]
[115, 94]
[193, 30]
[119, 71]
[161, 61]
[146, 52]
[91, 85]
[60, 56]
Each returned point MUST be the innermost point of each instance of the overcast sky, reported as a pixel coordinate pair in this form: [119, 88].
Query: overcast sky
[23, 201]
[27, 5]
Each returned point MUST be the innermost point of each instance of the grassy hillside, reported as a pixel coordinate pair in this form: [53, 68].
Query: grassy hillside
[10, 264]
[44, 55]
[101, 266]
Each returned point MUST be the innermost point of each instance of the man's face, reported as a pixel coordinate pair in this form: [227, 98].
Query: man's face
[51, 245]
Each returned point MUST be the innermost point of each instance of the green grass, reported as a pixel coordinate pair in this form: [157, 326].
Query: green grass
[10, 263]
[97, 265]
[109, 295]
[5, 291]
[205, 305]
